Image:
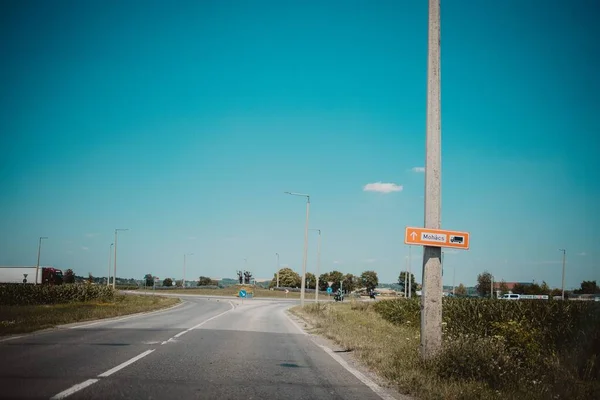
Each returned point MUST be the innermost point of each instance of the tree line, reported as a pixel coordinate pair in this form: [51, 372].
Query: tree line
[348, 282]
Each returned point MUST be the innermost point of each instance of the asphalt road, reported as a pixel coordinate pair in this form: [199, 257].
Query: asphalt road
[203, 349]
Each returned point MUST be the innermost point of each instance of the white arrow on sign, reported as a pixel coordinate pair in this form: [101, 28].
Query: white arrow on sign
[413, 235]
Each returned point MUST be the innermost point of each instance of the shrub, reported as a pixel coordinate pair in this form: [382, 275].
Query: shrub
[400, 311]
[18, 294]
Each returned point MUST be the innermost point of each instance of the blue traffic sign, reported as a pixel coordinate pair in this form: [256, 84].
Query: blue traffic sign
[242, 293]
[329, 290]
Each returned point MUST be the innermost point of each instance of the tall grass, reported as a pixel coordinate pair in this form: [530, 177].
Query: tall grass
[18, 294]
[551, 348]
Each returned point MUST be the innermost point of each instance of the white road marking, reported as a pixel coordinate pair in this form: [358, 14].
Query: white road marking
[73, 389]
[378, 390]
[199, 325]
[123, 365]
[302, 331]
[10, 338]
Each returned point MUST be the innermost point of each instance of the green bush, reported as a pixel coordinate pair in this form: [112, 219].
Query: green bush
[400, 311]
[541, 342]
[18, 294]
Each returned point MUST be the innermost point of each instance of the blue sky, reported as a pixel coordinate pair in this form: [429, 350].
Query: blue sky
[185, 122]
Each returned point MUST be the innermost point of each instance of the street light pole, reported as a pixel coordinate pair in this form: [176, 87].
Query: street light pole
[564, 251]
[109, 262]
[37, 266]
[114, 285]
[318, 265]
[431, 301]
[277, 254]
[183, 281]
[303, 283]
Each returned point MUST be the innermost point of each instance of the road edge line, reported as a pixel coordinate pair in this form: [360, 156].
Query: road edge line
[378, 390]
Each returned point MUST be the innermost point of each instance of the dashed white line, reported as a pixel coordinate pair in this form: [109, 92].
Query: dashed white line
[123, 365]
[84, 384]
[73, 389]
[199, 325]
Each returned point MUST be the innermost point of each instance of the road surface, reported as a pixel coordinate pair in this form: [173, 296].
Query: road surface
[202, 349]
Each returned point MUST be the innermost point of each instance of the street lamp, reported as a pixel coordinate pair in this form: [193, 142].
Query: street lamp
[318, 265]
[277, 254]
[109, 262]
[37, 266]
[115, 266]
[303, 283]
[564, 251]
[183, 281]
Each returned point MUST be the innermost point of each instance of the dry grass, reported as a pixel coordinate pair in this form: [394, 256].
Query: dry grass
[29, 318]
[234, 290]
[389, 350]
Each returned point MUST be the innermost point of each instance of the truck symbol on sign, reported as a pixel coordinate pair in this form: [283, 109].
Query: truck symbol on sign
[456, 239]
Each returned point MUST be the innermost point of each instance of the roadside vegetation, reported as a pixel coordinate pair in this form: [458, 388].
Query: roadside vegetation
[492, 349]
[27, 308]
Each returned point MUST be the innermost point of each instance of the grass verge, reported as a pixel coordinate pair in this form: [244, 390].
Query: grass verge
[391, 351]
[29, 318]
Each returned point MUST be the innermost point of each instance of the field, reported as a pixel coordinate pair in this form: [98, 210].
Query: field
[492, 349]
[27, 308]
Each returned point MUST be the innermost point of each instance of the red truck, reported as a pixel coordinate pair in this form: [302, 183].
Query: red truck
[46, 275]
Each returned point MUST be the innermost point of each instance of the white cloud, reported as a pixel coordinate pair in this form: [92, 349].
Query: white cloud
[583, 253]
[418, 169]
[85, 248]
[382, 187]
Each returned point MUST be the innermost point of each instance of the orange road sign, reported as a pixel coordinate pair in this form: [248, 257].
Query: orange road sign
[436, 237]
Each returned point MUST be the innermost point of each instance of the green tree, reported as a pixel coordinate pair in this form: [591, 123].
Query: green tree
[69, 276]
[334, 276]
[369, 279]
[149, 280]
[484, 284]
[588, 287]
[179, 283]
[90, 278]
[461, 290]
[413, 283]
[350, 282]
[168, 282]
[311, 280]
[287, 278]
[544, 288]
[204, 281]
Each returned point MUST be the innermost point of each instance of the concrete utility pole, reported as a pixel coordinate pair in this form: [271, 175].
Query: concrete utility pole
[492, 286]
[431, 300]
[303, 283]
[564, 251]
[109, 262]
[409, 272]
[37, 266]
[277, 254]
[406, 279]
[318, 265]
[115, 266]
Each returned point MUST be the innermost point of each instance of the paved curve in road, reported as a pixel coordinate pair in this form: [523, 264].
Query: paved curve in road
[202, 349]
